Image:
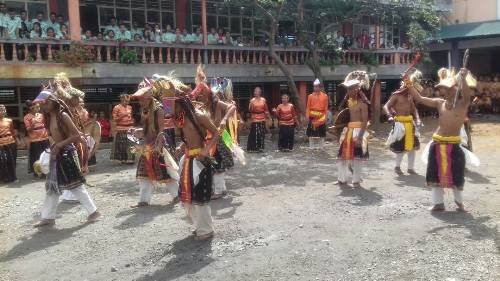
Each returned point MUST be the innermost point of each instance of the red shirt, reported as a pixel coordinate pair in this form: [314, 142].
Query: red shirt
[286, 114]
[35, 125]
[6, 131]
[105, 127]
[258, 109]
[122, 115]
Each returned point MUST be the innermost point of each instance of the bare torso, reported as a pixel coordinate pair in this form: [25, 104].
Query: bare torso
[56, 129]
[403, 104]
[192, 137]
[356, 112]
[451, 119]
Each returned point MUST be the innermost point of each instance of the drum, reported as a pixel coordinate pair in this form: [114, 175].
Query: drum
[340, 122]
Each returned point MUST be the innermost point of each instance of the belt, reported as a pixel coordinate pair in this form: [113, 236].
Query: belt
[355, 124]
[403, 118]
[446, 139]
[193, 152]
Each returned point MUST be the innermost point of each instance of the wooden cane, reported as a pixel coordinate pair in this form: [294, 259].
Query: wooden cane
[461, 78]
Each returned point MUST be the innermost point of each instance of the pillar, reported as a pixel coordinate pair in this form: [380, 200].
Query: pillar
[375, 102]
[377, 36]
[204, 29]
[74, 20]
[180, 13]
[54, 7]
[303, 93]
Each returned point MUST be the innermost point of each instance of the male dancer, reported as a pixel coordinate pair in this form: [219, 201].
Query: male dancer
[65, 171]
[196, 166]
[446, 158]
[354, 139]
[151, 167]
[403, 137]
[316, 113]
[219, 112]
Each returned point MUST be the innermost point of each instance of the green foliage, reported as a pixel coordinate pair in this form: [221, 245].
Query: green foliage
[77, 54]
[128, 56]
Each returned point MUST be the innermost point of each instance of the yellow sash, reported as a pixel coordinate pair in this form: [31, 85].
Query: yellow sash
[446, 139]
[193, 152]
[320, 118]
[409, 134]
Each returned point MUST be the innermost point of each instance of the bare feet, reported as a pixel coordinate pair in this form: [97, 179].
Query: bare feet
[460, 207]
[140, 205]
[204, 236]
[412, 172]
[339, 183]
[398, 171]
[176, 200]
[217, 196]
[95, 216]
[437, 208]
[356, 185]
[46, 222]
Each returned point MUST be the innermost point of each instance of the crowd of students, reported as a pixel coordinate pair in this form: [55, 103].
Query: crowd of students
[14, 25]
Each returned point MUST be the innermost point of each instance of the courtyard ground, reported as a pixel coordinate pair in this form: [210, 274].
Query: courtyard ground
[283, 219]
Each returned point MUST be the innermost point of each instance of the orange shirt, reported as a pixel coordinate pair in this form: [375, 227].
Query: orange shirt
[35, 125]
[122, 115]
[317, 108]
[286, 114]
[6, 131]
[258, 109]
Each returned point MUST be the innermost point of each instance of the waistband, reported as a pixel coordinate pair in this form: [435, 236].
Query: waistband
[355, 124]
[446, 139]
[193, 152]
[316, 113]
[404, 118]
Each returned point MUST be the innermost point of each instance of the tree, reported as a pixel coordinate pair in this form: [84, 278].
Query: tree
[419, 18]
[274, 11]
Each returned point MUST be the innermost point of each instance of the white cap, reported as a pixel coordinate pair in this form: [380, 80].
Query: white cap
[316, 82]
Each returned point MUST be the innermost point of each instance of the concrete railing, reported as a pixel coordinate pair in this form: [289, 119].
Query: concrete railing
[44, 51]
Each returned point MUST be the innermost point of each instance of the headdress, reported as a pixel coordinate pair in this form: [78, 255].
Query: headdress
[223, 86]
[448, 78]
[316, 82]
[201, 84]
[357, 77]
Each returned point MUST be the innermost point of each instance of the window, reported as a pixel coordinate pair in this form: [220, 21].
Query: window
[105, 14]
[123, 15]
[235, 25]
[153, 17]
[139, 16]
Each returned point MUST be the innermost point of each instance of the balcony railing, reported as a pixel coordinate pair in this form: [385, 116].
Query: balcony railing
[44, 51]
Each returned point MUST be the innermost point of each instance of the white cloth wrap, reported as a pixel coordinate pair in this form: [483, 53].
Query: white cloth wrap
[197, 168]
[398, 132]
[355, 132]
[470, 158]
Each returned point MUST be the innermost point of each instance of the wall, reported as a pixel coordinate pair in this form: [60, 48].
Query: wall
[466, 11]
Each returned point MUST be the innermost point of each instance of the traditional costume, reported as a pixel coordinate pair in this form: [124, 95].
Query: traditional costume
[286, 120]
[349, 154]
[120, 151]
[446, 157]
[259, 111]
[316, 112]
[38, 137]
[8, 150]
[65, 172]
[152, 166]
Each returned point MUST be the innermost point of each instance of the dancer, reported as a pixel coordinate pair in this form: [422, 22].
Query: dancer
[404, 136]
[219, 112]
[444, 155]
[287, 120]
[65, 171]
[196, 166]
[8, 147]
[259, 114]
[354, 139]
[316, 112]
[152, 167]
[37, 134]
[123, 121]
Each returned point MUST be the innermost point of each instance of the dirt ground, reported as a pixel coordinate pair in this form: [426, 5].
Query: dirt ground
[283, 219]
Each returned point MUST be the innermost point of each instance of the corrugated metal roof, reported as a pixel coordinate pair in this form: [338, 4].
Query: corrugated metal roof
[470, 30]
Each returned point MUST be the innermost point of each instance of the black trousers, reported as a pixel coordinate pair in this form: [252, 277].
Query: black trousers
[257, 136]
[286, 137]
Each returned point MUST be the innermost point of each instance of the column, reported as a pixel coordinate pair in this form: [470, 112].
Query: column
[74, 20]
[204, 29]
[375, 100]
[180, 13]
[377, 36]
[303, 93]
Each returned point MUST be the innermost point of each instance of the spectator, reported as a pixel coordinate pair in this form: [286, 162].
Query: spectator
[212, 37]
[239, 42]
[112, 26]
[123, 34]
[339, 40]
[65, 32]
[198, 37]
[52, 23]
[136, 30]
[157, 33]
[105, 126]
[25, 22]
[220, 36]
[168, 37]
[110, 36]
[149, 35]
[36, 32]
[364, 40]
[40, 19]
[347, 42]
[88, 36]
[12, 25]
[23, 32]
[186, 37]
[137, 37]
[60, 21]
[179, 38]
[3, 17]
[100, 36]
[51, 34]
[227, 39]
